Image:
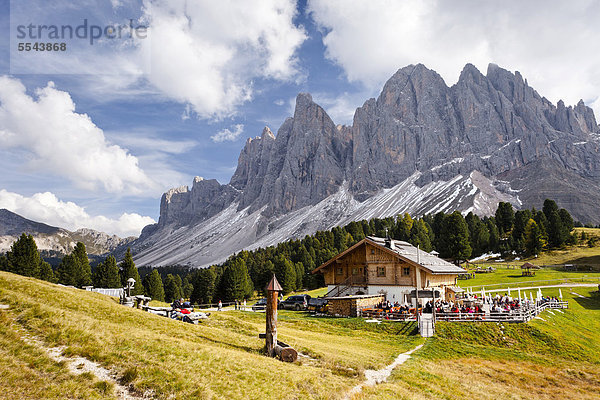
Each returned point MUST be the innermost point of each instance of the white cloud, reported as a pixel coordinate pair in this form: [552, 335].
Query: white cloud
[47, 208]
[63, 142]
[226, 135]
[279, 102]
[341, 108]
[550, 42]
[207, 53]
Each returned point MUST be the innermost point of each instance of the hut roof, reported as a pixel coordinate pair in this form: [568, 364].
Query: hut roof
[529, 265]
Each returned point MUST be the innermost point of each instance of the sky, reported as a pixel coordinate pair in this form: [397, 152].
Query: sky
[147, 94]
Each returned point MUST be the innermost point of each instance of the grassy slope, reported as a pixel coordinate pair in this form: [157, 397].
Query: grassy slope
[218, 359]
[557, 357]
[511, 277]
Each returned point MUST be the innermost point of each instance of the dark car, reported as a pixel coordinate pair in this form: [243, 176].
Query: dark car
[317, 304]
[260, 305]
[297, 302]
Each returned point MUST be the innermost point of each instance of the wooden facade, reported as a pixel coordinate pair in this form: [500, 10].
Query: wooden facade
[369, 264]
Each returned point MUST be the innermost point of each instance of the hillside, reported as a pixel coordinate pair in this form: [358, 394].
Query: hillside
[221, 358]
[420, 147]
[54, 241]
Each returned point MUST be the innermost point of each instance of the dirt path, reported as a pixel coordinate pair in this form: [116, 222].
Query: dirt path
[79, 365]
[374, 377]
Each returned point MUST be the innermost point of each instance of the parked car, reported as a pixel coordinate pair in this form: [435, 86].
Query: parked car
[297, 302]
[261, 304]
[317, 304]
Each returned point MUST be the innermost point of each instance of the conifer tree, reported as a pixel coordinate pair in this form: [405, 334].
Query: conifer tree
[455, 242]
[204, 286]
[172, 289]
[534, 241]
[236, 281]
[299, 274]
[505, 217]
[106, 274]
[83, 271]
[3, 263]
[68, 271]
[46, 272]
[153, 286]
[23, 257]
[186, 287]
[419, 235]
[128, 270]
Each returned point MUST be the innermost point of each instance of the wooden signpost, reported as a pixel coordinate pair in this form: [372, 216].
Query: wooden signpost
[273, 346]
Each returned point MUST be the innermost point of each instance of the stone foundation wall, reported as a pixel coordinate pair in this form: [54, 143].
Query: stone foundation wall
[351, 306]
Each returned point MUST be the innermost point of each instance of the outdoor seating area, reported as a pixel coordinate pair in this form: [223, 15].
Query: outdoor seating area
[472, 307]
[391, 311]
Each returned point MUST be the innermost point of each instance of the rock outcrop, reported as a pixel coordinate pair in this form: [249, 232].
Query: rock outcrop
[472, 142]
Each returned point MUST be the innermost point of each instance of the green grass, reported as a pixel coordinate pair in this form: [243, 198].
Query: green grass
[221, 358]
[511, 277]
[557, 357]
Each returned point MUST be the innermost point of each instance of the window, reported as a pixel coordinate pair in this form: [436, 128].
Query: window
[355, 271]
[372, 251]
[380, 271]
[340, 271]
[406, 271]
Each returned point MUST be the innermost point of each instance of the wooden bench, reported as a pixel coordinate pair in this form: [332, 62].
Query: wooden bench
[141, 300]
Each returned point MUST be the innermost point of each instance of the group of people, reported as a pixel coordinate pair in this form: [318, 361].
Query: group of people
[388, 306]
[183, 311]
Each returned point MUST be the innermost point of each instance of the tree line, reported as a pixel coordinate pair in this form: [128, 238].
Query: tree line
[454, 236]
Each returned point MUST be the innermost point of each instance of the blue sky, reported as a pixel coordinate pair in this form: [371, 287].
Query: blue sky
[94, 135]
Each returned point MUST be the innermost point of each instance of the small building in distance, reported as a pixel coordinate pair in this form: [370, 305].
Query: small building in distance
[393, 268]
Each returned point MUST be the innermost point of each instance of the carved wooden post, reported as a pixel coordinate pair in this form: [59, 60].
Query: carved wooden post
[273, 289]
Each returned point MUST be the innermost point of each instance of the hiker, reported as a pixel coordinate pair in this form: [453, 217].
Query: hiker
[220, 306]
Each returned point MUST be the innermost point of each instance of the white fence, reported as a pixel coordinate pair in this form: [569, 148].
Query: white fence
[523, 314]
[109, 292]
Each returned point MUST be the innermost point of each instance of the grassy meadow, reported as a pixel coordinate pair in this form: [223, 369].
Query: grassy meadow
[219, 358]
[557, 356]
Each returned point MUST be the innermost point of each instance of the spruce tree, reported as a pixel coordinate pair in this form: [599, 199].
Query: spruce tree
[46, 272]
[236, 281]
[23, 257]
[128, 270]
[3, 263]
[534, 240]
[494, 237]
[419, 235]
[455, 239]
[106, 274]
[113, 280]
[505, 217]
[153, 286]
[286, 272]
[83, 271]
[68, 271]
[186, 287]
[203, 281]
[172, 288]
[299, 274]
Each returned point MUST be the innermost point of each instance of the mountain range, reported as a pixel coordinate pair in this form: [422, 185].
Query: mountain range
[420, 147]
[56, 242]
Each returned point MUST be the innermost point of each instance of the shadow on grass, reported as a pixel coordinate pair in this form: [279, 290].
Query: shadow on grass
[590, 303]
[227, 344]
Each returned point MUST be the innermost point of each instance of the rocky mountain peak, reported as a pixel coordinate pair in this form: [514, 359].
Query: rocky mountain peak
[420, 134]
[267, 134]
